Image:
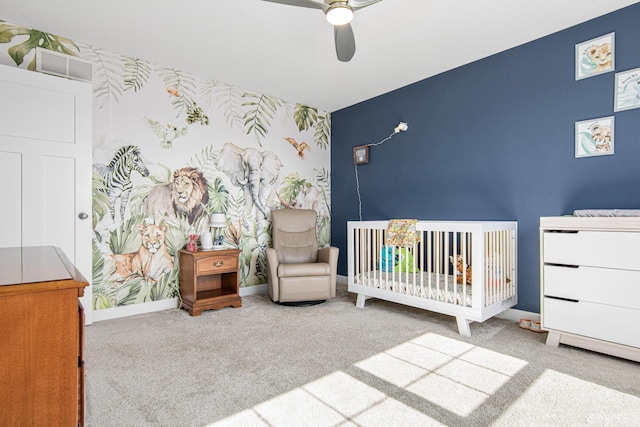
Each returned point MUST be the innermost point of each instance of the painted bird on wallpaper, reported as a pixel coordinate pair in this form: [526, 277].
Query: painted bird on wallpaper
[300, 147]
[167, 133]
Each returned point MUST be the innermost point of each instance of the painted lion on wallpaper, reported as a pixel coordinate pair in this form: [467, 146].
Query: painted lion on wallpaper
[151, 260]
[185, 196]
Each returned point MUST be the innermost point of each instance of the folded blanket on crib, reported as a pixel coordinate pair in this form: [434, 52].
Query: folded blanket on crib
[402, 232]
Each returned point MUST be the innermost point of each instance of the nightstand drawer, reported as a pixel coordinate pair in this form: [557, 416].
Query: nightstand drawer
[605, 322]
[593, 248]
[602, 285]
[216, 264]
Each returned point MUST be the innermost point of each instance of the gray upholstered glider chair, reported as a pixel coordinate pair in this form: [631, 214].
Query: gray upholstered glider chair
[299, 272]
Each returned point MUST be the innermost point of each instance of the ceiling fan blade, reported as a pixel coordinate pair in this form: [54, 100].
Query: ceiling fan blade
[300, 3]
[345, 42]
[359, 4]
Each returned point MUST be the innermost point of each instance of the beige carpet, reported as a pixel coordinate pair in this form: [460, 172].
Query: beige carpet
[336, 365]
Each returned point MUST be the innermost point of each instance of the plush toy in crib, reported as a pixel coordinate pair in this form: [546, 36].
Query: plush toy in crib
[460, 264]
[393, 258]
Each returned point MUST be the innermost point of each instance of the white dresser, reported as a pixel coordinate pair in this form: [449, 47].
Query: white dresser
[590, 283]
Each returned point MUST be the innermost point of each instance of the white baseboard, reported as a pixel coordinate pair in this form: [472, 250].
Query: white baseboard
[131, 310]
[167, 304]
[254, 290]
[515, 315]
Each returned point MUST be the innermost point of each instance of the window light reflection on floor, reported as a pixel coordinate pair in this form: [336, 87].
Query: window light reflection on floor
[454, 375]
[593, 405]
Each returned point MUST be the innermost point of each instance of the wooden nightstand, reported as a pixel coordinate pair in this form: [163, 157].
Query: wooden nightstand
[209, 280]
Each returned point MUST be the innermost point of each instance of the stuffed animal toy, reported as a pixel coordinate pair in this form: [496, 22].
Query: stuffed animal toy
[460, 264]
[394, 259]
[192, 246]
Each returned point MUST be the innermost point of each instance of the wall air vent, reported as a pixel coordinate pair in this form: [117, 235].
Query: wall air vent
[59, 64]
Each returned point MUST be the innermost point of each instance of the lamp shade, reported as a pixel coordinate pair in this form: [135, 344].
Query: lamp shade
[339, 13]
[217, 220]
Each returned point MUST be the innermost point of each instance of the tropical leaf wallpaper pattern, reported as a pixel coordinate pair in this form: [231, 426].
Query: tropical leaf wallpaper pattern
[107, 72]
[22, 48]
[136, 73]
[180, 123]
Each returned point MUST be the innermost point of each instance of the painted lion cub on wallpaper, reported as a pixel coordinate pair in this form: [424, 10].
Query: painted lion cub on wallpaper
[150, 261]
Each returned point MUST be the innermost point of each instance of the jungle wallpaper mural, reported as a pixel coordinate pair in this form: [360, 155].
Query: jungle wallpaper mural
[169, 149]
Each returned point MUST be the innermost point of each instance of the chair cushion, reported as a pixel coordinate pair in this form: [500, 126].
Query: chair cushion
[314, 288]
[298, 247]
[304, 269]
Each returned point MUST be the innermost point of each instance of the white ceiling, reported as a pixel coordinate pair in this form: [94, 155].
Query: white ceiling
[288, 52]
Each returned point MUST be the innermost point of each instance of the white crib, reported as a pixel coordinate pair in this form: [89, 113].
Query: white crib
[433, 282]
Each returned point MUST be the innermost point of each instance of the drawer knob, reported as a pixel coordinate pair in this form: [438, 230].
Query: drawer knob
[218, 263]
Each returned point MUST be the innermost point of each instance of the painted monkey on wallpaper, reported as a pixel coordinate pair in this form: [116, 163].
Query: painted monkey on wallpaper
[117, 176]
[253, 170]
[185, 196]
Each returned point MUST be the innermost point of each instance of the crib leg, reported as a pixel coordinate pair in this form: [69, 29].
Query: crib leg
[360, 300]
[463, 326]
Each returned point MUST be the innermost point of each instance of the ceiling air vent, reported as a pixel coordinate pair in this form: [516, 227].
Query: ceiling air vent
[59, 64]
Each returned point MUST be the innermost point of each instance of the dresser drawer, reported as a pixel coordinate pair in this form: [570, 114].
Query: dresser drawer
[593, 248]
[604, 322]
[216, 264]
[600, 285]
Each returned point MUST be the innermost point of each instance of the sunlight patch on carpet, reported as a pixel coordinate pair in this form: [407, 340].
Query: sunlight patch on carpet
[583, 402]
[452, 374]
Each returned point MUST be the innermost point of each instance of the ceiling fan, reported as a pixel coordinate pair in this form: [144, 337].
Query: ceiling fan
[339, 13]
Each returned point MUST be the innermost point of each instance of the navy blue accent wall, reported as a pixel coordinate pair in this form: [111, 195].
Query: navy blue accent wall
[493, 140]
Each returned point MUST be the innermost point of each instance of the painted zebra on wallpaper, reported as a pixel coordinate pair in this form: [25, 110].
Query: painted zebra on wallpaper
[117, 176]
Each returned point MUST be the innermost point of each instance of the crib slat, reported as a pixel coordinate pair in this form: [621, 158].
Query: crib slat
[467, 261]
[454, 278]
[376, 238]
[357, 250]
[487, 280]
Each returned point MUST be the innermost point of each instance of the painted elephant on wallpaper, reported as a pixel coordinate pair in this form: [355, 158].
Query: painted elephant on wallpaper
[253, 170]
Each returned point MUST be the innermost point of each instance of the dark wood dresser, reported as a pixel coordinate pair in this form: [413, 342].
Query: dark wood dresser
[41, 338]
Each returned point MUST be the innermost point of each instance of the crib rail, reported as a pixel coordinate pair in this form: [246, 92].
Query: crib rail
[469, 264]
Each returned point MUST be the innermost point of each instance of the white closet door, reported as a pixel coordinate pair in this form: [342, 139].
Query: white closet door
[45, 165]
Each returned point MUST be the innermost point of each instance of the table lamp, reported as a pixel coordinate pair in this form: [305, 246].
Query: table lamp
[217, 221]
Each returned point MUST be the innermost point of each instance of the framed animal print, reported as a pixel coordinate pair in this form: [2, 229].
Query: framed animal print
[595, 56]
[627, 94]
[594, 137]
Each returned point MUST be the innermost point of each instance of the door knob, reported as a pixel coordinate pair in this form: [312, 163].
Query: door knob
[83, 215]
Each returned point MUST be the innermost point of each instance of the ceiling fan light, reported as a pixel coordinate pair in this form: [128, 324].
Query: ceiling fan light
[339, 14]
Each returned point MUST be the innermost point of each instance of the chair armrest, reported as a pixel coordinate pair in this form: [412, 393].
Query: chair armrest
[272, 274]
[329, 254]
